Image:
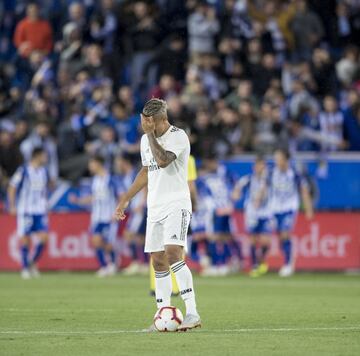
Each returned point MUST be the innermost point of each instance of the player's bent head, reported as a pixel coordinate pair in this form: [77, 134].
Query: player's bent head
[157, 108]
[39, 155]
[96, 164]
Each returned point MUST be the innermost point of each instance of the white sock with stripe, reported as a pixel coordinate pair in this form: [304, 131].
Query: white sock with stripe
[185, 282]
[163, 289]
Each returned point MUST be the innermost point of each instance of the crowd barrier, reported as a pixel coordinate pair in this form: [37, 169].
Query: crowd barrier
[329, 242]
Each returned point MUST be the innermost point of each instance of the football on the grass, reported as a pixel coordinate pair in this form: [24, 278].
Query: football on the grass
[168, 319]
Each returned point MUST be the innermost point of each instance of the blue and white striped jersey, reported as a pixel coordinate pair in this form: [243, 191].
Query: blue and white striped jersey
[218, 188]
[252, 185]
[104, 199]
[32, 187]
[285, 190]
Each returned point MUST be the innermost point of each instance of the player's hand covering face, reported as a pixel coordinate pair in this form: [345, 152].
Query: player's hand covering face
[147, 124]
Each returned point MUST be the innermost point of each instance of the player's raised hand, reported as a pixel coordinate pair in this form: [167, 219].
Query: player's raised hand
[147, 124]
[120, 209]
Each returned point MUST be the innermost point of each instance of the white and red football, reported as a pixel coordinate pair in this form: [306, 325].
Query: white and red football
[168, 319]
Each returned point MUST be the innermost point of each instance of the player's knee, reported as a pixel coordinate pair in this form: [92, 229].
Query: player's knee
[44, 238]
[97, 241]
[159, 261]
[25, 241]
[108, 247]
[174, 254]
[284, 235]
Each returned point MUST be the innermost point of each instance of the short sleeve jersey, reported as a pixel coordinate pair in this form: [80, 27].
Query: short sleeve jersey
[167, 187]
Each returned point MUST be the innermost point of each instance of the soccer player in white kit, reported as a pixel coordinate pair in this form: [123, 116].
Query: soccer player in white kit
[165, 151]
[28, 199]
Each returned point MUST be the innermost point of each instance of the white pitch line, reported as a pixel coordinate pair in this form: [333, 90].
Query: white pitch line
[217, 331]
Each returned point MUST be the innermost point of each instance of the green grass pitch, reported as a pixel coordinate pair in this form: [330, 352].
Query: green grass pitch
[78, 314]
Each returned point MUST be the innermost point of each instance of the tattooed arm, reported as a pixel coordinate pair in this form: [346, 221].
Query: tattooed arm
[163, 158]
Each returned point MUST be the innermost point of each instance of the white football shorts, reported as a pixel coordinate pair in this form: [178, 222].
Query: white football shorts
[172, 230]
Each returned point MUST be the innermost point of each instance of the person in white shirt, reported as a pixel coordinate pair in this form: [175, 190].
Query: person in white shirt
[27, 195]
[165, 151]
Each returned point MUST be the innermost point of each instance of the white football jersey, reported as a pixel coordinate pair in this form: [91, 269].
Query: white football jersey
[167, 187]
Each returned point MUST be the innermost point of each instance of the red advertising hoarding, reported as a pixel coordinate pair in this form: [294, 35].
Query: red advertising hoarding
[329, 242]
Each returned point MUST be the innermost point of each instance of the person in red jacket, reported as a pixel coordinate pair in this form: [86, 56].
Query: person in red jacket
[33, 33]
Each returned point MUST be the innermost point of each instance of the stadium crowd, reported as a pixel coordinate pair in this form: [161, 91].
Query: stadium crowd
[241, 76]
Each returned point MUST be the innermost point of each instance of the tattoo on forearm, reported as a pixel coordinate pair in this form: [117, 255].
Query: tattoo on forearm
[162, 157]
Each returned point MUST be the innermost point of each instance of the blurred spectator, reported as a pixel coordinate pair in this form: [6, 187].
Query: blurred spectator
[10, 156]
[352, 127]
[33, 33]
[105, 146]
[348, 66]
[331, 124]
[166, 88]
[41, 137]
[307, 28]
[203, 26]
[144, 36]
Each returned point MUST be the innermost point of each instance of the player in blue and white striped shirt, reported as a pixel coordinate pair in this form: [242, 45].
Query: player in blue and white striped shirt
[257, 213]
[287, 189]
[27, 196]
[103, 200]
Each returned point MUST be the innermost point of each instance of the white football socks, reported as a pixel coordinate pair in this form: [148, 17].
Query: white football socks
[163, 289]
[185, 282]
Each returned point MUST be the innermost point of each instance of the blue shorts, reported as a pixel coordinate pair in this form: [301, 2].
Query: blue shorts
[285, 222]
[107, 231]
[259, 226]
[136, 223]
[222, 224]
[28, 224]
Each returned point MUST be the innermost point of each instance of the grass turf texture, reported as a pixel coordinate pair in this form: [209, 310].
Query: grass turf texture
[78, 314]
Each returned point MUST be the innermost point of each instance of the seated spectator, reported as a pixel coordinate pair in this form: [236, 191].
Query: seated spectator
[348, 66]
[331, 121]
[166, 88]
[193, 94]
[203, 26]
[243, 92]
[307, 28]
[33, 33]
[41, 137]
[105, 146]
[10, 155]
[352, 128]
[127, 128]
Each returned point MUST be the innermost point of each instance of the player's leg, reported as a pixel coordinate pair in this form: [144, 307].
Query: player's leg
[25, 264]
[40, 227]
[163, 285]
[98, 245]
[253, 254]
[24, 225]
[154, 244]
[175, 232]
[284, 227]
[109, 238]
[264, 242]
